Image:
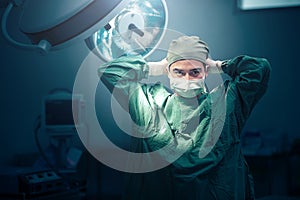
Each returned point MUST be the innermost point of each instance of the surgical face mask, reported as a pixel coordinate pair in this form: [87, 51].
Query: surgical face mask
[187, 88]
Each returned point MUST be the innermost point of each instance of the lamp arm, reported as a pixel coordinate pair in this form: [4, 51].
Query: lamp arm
[43, 46]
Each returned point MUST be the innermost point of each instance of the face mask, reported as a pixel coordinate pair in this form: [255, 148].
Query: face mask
[187, 88]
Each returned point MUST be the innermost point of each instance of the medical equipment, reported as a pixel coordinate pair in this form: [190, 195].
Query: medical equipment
[62, 112]
[137, 29]
[55, 24]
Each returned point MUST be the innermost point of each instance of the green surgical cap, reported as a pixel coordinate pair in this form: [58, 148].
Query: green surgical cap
[187, 48]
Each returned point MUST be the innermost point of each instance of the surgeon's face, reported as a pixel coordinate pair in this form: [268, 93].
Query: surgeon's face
[188, 69]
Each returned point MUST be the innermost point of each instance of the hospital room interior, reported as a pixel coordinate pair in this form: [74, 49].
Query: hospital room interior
[53, 102]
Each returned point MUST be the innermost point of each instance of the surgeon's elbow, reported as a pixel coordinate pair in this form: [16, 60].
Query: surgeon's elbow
[266, 69]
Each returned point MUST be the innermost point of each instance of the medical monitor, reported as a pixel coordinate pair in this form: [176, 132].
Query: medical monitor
[61, 112]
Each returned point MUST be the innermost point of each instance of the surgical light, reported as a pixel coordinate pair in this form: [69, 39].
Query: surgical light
[110, 26]
[137, 29]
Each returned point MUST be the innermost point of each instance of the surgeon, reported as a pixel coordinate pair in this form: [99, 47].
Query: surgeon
[200, 125]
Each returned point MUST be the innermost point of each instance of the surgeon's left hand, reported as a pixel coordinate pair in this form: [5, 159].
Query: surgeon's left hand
[213, 63]
[214, 66]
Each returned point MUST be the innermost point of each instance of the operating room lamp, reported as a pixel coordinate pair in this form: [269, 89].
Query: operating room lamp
[110, 27]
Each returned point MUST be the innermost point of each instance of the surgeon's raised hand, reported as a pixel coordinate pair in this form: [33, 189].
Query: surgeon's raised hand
[158, 68]
[214, 65]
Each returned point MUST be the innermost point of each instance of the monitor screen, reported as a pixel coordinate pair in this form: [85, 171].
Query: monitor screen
[61, 112]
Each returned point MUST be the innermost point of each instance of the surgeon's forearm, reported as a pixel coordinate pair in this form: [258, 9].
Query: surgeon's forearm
[248, 69]
[250, 80]
[125, 69]
[121, 76]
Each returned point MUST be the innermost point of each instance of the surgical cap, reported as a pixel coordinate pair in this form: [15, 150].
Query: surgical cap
[187, 48]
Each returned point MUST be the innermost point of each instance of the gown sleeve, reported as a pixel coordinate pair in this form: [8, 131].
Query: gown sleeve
[250, 79]
[123, 75]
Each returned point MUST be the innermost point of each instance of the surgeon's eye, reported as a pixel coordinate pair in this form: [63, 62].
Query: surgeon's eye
[179, 72]
[195, 72]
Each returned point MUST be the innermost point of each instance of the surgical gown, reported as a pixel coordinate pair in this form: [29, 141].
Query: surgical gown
[204, 132]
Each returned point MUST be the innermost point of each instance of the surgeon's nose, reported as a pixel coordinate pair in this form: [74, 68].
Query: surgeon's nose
[187, 76]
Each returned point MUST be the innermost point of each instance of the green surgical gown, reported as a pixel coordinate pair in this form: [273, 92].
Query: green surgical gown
[203, 134]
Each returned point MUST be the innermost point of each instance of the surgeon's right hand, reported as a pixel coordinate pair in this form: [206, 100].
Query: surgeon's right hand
[158, 68]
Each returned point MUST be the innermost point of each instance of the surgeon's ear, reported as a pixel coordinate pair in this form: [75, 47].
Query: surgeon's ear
[206, 68]
[167, 69]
